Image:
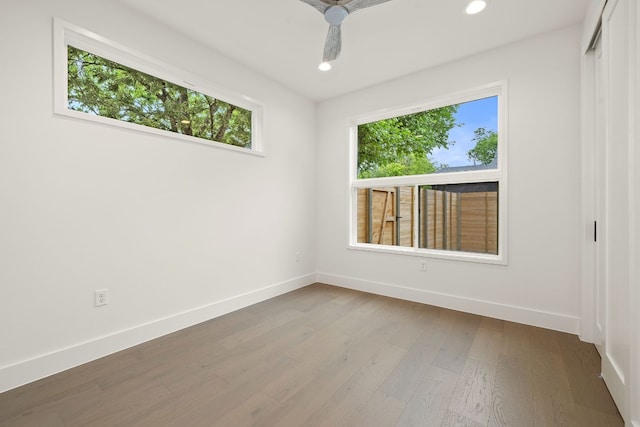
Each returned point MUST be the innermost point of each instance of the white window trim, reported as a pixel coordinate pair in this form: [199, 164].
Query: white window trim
[65, 34]
[488, 175]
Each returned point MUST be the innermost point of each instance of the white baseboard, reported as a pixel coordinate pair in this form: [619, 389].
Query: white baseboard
[543, 319]
[23, 372]
[26, 371]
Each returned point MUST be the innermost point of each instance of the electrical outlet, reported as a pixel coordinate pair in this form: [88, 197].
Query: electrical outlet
[298, 257]
[423, 266]
[102, 297]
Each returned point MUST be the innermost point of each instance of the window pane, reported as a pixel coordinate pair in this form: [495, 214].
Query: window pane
[459, 217]
[460, 137]
[385, 215]
[473, 140]
[105, 88]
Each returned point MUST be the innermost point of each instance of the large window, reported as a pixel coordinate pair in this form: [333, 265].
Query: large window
[430, 180]
[101, 81]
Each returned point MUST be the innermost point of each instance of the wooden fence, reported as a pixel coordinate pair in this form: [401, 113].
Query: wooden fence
[466, 221]
[385, 219]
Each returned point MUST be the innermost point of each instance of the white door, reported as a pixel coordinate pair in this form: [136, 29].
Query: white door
[599, 198]
[612, 330]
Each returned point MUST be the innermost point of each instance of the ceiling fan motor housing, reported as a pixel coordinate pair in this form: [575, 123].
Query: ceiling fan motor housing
[334, 15]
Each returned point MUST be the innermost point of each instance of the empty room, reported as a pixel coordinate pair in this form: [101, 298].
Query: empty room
[319, 212]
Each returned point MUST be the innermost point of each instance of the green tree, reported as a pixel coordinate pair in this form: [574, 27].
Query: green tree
[410, 164]
[401, 145]
[105, 88]
[486, 146]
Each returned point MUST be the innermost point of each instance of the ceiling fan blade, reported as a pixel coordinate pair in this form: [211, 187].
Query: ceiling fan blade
[317, 4]
[333, 44]
[354, 5]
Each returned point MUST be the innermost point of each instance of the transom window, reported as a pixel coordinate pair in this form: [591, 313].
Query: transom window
[430, 180]
[101, 81]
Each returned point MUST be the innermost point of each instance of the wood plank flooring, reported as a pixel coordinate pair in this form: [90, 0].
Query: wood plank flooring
[326, 356]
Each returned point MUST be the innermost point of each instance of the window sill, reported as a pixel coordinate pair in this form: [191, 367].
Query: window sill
[63, 111]
[430, 253]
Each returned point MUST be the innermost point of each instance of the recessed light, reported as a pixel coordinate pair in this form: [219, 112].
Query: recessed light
[325, 66]
[475, 6]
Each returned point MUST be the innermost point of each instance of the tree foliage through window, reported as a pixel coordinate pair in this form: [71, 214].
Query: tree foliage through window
[105, 88]
[486, 146]
[402, 145]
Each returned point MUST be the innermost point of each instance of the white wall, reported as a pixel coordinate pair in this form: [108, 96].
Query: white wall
[540, 285]
[179, 232]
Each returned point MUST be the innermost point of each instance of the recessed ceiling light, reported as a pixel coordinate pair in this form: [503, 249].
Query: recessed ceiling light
[325, 66]
[475, 6]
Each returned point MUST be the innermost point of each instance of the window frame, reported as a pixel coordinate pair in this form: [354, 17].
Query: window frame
[498, 175]
[65, 34]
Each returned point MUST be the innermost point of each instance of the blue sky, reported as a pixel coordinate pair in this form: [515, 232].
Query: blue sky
[474, 114]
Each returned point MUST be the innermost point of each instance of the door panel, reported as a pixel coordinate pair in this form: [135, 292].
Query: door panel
[599, 197]
[613, 262]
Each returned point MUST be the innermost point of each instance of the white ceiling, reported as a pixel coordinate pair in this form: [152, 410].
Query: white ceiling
[283, 39]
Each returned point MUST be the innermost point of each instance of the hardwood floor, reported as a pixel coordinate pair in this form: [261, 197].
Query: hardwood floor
[325, 356]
